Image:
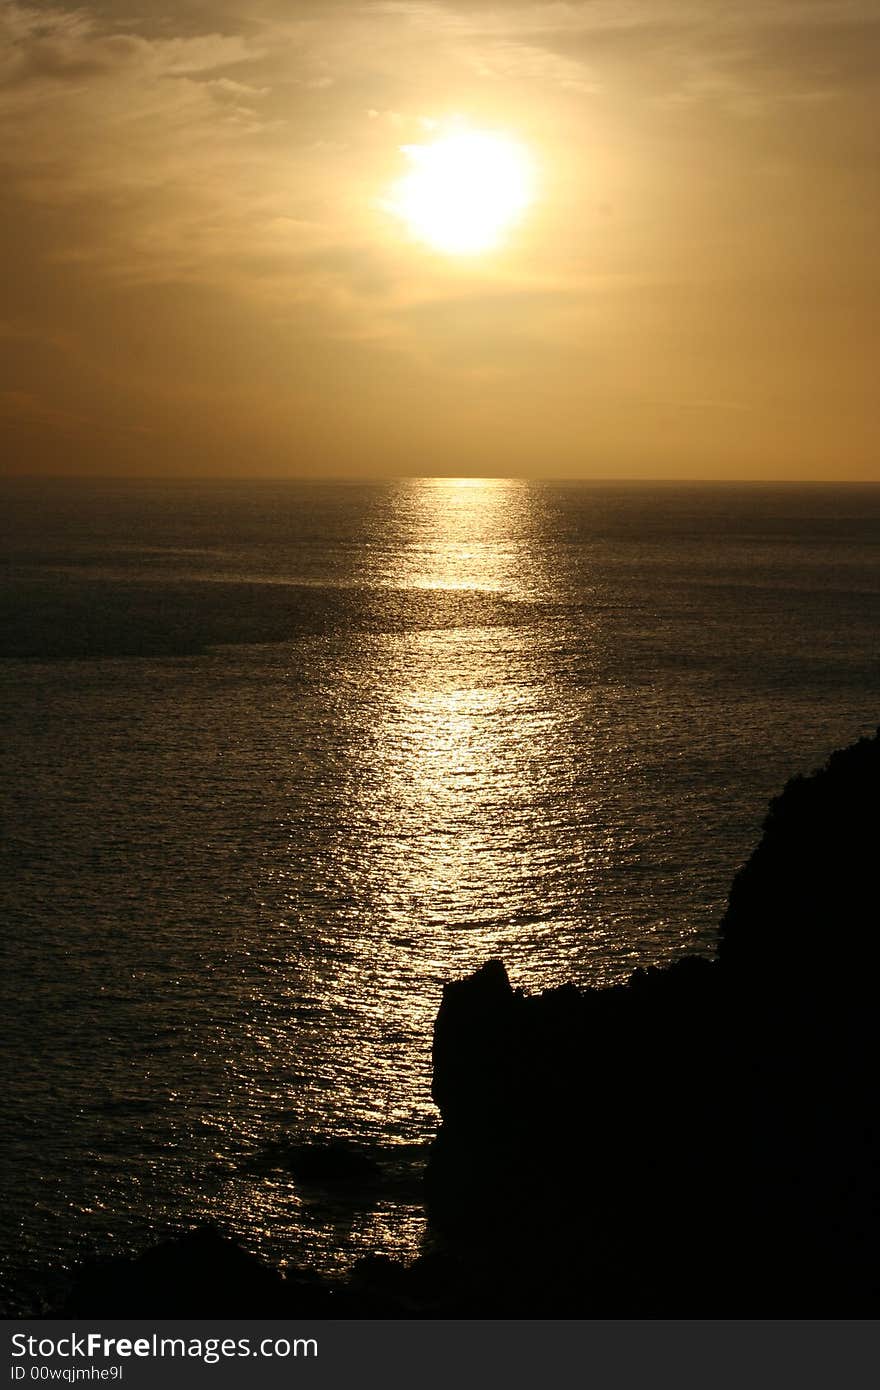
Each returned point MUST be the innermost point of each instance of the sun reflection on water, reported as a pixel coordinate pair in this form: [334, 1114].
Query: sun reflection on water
[445, 834]
[459, 534]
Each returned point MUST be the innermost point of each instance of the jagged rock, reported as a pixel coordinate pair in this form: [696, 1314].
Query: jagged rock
[804, 911]
[702, 1141]
[471, 1041]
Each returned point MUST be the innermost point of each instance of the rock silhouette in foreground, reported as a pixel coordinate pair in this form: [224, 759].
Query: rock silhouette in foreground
[702, 1140]
[804, 911]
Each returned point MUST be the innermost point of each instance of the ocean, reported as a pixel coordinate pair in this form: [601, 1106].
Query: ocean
[281, 758]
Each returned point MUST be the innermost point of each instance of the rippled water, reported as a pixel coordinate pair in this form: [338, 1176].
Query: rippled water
[280, 759]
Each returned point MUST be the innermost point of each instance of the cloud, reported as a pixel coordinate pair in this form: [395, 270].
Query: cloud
[191, 192]
[744, 57]
[199, 145]
[69, 45]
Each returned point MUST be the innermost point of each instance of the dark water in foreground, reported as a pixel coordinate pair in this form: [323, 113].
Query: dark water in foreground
[280, 759]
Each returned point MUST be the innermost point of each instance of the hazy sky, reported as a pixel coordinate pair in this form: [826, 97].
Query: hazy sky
[200, 275]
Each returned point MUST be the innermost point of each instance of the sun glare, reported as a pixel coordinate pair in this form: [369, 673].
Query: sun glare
[463, 191]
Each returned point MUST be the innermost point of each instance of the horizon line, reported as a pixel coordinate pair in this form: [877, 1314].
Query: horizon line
[355, 478]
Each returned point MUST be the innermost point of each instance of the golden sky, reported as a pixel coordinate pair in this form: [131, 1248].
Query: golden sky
[202, 274]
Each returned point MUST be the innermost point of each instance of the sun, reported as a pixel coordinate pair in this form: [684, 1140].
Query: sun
[463, 191]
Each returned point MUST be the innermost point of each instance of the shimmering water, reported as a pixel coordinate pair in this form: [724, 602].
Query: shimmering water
[280, 759]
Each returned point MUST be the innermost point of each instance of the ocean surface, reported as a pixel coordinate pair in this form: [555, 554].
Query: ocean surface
[280, 759]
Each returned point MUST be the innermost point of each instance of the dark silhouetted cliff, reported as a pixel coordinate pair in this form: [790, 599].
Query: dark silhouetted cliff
[702, 1140]
[803, 911]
